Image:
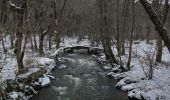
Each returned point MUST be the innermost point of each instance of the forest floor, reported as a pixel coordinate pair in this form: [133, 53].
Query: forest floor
[134, 81]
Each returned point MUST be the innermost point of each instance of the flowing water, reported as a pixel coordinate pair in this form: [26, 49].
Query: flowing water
[80, 77]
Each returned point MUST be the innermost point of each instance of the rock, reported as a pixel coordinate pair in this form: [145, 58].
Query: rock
[51, 77]
[29, 91]
[36, 85]
[120, 84]
[44, 81]
[129, 81]
[135, 95]
[32, 75]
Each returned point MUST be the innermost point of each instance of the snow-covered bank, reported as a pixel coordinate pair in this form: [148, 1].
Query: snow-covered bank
[37, 72]
[25, 85]
[135, 81]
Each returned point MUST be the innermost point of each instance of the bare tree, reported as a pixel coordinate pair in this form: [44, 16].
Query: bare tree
[131, 35]
[19, 51]
[157, 22]
[147, 62]
[163, 16]
[58, 21]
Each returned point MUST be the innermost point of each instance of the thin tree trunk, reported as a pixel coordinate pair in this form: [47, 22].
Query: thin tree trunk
[41, 46]
[118, 34]
[32, 46]
[148, 32]
[49, 41]
[157, 22]
[35, 42]
[11, 40]
[159, 49]
[131, 35]
[58, 20]
[41, 39]
[163, 17]
[19, 35]
[3, 44]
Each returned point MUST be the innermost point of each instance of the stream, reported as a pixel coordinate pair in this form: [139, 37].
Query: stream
[80, 76]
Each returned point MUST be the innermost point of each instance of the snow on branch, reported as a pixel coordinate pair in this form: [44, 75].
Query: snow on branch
[13, 6]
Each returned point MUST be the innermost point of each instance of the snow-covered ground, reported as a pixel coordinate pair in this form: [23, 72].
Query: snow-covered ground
[135, 81]
[73, 41]
[32, 61]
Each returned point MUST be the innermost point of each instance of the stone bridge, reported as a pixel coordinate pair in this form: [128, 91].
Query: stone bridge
[91, 50]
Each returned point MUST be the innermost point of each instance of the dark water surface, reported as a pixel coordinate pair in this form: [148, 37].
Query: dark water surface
[83, 79]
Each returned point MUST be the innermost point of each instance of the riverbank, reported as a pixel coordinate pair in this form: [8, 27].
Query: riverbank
[36, 74]
[135, 81]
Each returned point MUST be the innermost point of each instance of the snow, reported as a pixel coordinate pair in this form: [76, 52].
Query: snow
[73, 41]
[136, 82]
[107, 67]
[30, 71]
[13, 5]
[135, 93]
[128, 87]
[39, 62]
[15, 95]
[45, 61]
[9, 70]
[133, 81]
[45, 81]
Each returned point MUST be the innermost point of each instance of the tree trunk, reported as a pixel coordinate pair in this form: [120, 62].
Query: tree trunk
[148, 32]
[11, 40]
[159, 49]
[32, 46]
[163, 17]
[157, 22]
[58, 39]
[41, 39]
[18, 51]
[118, 34]
[3, 44]
[131, 35]
[49, 41]
[35, 42]
[19, 35]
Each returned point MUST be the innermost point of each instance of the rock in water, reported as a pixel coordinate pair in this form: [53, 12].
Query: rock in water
[44, 81]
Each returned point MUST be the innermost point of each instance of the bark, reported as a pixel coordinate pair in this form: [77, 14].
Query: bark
[58, 23]
[125, 15]
[11, 40]
[18, 52]
[49, 41]
[35, 42]
[118, 34]
[131, 36]
[105, 38]
[159, 49]
[157, 22]
[163, 17]
[19, 35]
[148, 32]
[3, 44]
[41, 39]
[32, 46]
